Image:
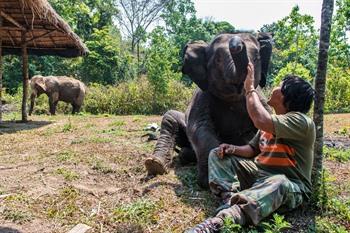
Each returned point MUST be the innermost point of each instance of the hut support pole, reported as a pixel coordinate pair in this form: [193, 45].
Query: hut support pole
[0, 73]
[25, 76]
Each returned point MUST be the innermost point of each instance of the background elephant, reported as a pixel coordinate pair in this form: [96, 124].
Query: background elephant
[57, 88]
[217, 112]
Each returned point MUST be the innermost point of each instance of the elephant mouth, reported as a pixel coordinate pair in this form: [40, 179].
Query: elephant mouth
[232, 92]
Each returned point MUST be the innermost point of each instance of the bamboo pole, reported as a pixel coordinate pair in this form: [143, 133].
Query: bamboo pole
[25, 76]
[0, 73]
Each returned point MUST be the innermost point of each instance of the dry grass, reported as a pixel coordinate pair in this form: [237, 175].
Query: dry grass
[63, 170]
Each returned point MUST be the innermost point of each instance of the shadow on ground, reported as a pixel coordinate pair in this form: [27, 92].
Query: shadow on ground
[9, 230]
[7, 127]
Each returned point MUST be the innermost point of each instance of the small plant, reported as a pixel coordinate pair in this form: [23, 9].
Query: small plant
[67, 127]
[64, 205]
[142, 212]
[102, 167]
[66, 156]
[278, 224]
[230, 226]
[340, 155]
[17, 216]
[67, 174]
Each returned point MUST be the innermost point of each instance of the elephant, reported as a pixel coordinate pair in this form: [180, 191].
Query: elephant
[217, 111]
[57, 88]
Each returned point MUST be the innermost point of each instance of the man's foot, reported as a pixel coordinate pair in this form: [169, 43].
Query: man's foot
[155, 167]
[211, 225]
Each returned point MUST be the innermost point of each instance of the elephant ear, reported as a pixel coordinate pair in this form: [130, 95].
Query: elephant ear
[194, 63]
[40, 81]
[265, 41]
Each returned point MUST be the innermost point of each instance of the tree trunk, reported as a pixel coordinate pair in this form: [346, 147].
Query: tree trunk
[320, 86]
[0, 73]
[25, 77]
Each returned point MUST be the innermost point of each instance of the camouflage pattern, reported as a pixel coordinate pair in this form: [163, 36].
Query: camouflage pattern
[256, 192]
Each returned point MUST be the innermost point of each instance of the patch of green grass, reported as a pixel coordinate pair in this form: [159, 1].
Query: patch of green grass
[102, 167]
[17, 215]
[344, 131]
[142, 211]
[340, 155]
[78, 141]
[64, 205]
[67, 174]
[117, 123]
[276, 225]
[114, 131]
[99, 140]
[65, 156]
[325, 225]
[68, 127]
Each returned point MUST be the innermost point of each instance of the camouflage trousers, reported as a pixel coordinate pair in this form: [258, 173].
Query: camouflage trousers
[256, 192]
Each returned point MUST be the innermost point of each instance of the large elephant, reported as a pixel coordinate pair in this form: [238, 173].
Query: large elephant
[57, 88]
[217, 112]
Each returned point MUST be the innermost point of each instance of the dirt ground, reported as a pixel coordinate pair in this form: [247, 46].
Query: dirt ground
[58, 171]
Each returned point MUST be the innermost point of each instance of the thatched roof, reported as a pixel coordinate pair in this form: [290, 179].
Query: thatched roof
[47, 33]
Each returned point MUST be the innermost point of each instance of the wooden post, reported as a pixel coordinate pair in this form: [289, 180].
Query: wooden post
[0, 73]
[25, 76]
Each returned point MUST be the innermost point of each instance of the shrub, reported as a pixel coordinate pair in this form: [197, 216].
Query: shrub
[295, 69]
[337, 90]
[136, 97]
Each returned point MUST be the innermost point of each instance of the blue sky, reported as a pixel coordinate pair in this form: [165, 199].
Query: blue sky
[252, 14]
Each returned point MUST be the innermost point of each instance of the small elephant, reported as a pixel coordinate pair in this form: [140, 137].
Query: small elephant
[217, 112]
[57, 88]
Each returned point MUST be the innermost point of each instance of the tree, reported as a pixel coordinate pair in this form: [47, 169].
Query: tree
[320, 85]
[136, 16]
[295, 42]
[339, 51]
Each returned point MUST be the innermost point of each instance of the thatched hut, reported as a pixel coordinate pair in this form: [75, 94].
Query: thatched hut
[34, 27]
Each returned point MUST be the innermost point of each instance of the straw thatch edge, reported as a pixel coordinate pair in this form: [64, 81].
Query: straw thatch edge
[45, 11]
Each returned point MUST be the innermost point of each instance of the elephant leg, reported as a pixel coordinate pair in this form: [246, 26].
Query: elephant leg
[172, 123]
[75, 108]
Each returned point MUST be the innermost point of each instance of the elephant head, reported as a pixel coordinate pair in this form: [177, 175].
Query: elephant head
[38, 86]
[221, 66]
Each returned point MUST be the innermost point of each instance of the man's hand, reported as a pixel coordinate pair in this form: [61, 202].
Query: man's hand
[249, 80]
[226, 149]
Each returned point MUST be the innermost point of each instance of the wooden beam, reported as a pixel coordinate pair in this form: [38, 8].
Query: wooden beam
[12, 20]
[25, 76]
[43, 35]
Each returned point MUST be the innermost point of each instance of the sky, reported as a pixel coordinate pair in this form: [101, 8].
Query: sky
[253, 14]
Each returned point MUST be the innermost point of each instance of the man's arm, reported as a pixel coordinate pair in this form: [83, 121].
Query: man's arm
[258, 114]
[245, 151]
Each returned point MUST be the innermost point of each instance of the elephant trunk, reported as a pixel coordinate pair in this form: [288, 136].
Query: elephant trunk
[239, 59]
[32, 102]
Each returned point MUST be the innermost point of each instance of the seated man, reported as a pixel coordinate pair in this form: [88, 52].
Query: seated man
[280, 175]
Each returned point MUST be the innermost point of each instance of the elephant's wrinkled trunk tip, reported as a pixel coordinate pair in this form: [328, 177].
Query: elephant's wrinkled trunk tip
[235, 45]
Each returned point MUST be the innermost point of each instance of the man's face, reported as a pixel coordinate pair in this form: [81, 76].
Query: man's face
[276, 98]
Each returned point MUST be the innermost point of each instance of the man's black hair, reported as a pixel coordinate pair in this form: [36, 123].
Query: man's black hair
[298, 94]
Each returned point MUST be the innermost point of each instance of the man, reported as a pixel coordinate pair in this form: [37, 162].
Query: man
[279, 177]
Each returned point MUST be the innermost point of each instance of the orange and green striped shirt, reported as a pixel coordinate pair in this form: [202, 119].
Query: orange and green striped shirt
[290, 150]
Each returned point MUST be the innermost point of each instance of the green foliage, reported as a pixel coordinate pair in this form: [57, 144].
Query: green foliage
[295, 69]
[107, 63]
[161, 58]
[142, 211]
[327, 226]
[276, 225]
[135, 97]
[295, 42]
[340, 155]
[67, 174]
[338, 90]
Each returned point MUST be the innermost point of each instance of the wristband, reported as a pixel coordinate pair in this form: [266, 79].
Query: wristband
[251, 91]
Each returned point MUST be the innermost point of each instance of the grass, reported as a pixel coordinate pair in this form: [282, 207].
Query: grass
[89, 169]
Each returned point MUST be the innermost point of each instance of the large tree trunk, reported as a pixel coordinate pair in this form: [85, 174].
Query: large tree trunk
[320, 86]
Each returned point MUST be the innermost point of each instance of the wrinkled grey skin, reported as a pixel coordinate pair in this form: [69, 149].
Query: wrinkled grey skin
[57, 88]
[217, 112]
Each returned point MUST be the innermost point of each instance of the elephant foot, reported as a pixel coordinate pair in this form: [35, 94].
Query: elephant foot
[154, 166]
